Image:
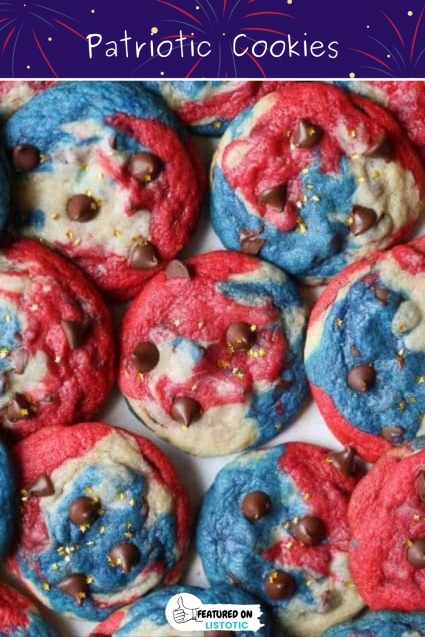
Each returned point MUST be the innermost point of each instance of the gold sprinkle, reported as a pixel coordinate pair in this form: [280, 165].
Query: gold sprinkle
[355, 156]
[89, 579]
[90, 543]
[55, 568]
[339, 322]
[304, 198]
[129, 525]
[304, 170]
[58, 359]
[67, 558]
[315, 198]
[352, 133]
[84, 527]
[140, 375]
[360, 180]
[8, 318]
[34, 307]
[46, 586]
[69, 234]
[132, 502]
[309, 186]
[129, 535]
[177, 322]
[194, 387]
[289, 545]
[402, 327]
[223, 364]
[25, 495]
[24, 412]
[298, 204]
[117, 233]
[411, 400]
[101, 530]
[4, 353]
[307, 495]
[416, 518]
[295, 520]
[402, 406]
[376, 174]
[110, 561]
[217, 124]
[238, 372]
[77, 242]
[349, 585]
[301, 225]
[88, 491]
[308, 582]
[121, 496]
[56, 216]
[420, 380]
[201, 324]
[408, 543]
[81, 596]
[287, 525]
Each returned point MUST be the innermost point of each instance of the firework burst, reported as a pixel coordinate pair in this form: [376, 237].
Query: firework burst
[399, 55]
[219, 25]
[26, 23]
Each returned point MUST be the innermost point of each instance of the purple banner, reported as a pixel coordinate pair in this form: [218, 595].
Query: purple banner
[212, 39]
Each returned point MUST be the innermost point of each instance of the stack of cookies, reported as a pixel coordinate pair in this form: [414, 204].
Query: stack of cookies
[214, 353]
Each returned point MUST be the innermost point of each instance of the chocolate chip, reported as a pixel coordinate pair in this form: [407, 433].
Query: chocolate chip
[76, 332]
[255, 505]
[144, 167]
[344, 460]
[250, 242]
[310, 530]
[25, 158]
[185, 410]
[420, 486]
[84, 510]
[19, 359]
[124, 555]
[394, 435]
[143, 256]
[284, 384]
[274, 197]
[381, 294]
[41, 487]
[75, 586]
[18, 408]
[306, 134]
[361, 378]
[382, 148]
[177, 270]
[416, 553]
[240, 336]
[362, 219]
[81, 208]
[279, 585]
[145, 356]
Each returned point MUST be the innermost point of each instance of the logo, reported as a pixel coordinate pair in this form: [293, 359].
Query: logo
[187, 612]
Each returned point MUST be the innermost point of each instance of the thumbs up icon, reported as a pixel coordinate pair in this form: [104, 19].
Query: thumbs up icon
[183, 614]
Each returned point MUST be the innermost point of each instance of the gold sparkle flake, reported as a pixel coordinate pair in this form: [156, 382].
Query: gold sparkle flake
[289, 545]
[46, 586]
[55, 217]
[223, 364]
[4, 353]
[360, 180]
[301, 225]
[69, 234]
[217, 124]
[34, 308]
[315, 198]
[129, 535]
[58, 359]
[121, 496]
[338, 322]
[402, 406]
[8, 318]
[352, 133]
[376, 174]
[201, 324]
[117, 233]
[102, 530]
[177, 322]
[307, 496]
[89, 579]
[416, 518]
[55, 568]
[420, 380]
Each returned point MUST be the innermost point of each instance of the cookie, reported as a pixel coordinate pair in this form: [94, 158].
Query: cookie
[146, 617]
[315, 179]
[103, 521]
[19, 617]
[8, 504]
[211, 353]
[56, 347]
[109, 179]
[14, 94]
[274, 522]
[365, 351]
[207, 107]
[406, 100]
[387, 520]
[382, 625]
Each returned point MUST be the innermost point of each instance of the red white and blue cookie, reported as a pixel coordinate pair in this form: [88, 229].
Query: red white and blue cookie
[56, 346]
[365, 351]
[387, 520]
[19, 617]
[103, 520]
[14, 94]
[207, 107]
[211, 353]
[406, 100]
[274, 522]
[311, 179]
[146, 617]
[109, 179]
[383, 624]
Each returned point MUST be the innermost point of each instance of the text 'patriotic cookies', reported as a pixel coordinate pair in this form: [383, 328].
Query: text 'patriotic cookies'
[211, 353]
[365, 351]
[311, 179]
[109, 179]
[275, 523]
[103, 519]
